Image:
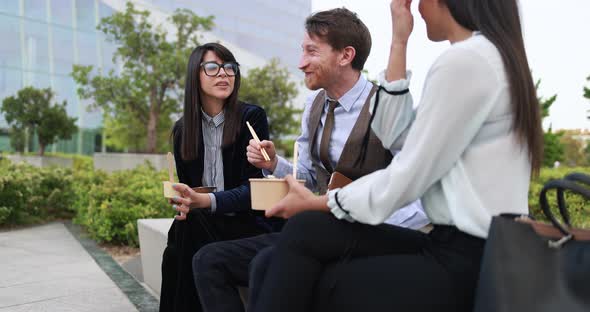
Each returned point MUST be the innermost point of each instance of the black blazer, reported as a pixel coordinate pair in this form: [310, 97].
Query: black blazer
[236, 168]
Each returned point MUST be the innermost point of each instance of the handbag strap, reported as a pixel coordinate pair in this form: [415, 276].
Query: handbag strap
[561, 186]
[577, 177]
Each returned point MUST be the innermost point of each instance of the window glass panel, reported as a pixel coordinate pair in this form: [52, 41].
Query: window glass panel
[165, 5]
[105, 10]
[36, 47]
[87, 52]
[38, 80]
[63, 50]
[85, 17]
[10, 83]
[10, 54]
[35, 9]
[88, 119]
[61, 12]
[65, 89]
[93, 118]
[9, 6]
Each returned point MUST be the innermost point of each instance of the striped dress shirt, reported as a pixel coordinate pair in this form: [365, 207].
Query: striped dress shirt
[212, 128]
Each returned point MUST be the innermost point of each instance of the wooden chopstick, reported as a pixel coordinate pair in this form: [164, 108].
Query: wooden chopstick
[262, 150]
[295, 154]
[170, 167]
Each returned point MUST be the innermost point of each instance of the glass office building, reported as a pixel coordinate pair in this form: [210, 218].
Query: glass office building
[42, 39]
[267, 28]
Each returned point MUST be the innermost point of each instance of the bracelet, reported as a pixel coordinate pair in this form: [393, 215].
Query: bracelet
[401, 92]
[338, 203]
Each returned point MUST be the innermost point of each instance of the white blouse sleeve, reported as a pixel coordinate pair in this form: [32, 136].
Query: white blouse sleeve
[459, 93]
[395, 113]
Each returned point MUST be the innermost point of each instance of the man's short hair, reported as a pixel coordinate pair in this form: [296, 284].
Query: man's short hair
[341, 28]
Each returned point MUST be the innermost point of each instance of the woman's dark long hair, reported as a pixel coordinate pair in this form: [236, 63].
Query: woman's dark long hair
[191, 120]
[499, 22]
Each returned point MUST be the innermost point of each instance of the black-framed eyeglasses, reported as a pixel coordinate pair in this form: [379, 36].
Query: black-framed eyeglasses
[212, 68]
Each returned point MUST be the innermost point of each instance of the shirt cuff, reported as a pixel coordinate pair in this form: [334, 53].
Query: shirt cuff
[213, 202]
[411, 216]
[396, 85]
[283, 168]
[335, 208]
[266, 173]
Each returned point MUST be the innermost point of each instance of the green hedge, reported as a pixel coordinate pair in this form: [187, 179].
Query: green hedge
[578, 207]
[108, 205]
[30, 195]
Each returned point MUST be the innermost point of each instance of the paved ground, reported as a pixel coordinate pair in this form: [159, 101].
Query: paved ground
[53, 268]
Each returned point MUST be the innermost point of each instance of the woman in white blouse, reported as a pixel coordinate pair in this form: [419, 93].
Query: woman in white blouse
[472, 145]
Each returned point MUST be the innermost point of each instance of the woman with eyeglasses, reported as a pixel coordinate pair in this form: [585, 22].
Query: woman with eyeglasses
[209, 148]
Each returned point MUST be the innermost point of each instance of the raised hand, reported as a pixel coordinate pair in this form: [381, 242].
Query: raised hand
[402, 23]
[402, 20]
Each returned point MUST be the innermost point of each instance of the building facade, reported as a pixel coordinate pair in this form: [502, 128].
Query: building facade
[43, 39]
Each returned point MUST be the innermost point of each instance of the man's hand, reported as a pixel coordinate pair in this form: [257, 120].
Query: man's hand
[255, 155]
[297, 200]
[189, 199]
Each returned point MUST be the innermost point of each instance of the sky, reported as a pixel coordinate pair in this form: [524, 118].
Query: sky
[555, 35]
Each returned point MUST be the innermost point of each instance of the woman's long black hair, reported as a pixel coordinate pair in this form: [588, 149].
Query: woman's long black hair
[499, 22]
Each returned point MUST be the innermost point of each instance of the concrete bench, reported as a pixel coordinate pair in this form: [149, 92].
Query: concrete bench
[42, 161]
[111, 162]
[153, 235]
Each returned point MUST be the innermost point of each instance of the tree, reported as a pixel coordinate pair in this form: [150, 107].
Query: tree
[587, 148]
[17, 138]
[32, 109]
[127, 133]
[575, 147]
[587, 95]
[545, 103]
[553, 149]
[151, 83]
[573, 154]
[269, 87]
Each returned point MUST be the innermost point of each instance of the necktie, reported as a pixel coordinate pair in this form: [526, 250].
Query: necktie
[326, 134]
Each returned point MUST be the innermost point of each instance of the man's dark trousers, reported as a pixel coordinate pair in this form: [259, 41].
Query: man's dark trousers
[218, 268]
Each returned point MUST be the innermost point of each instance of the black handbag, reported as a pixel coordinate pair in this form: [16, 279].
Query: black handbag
[533, 266]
